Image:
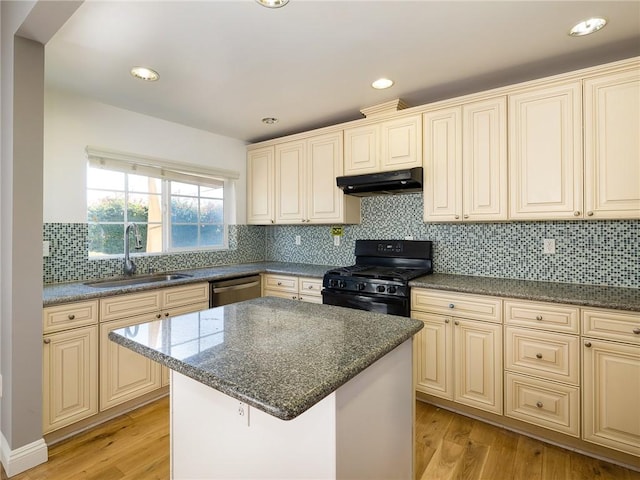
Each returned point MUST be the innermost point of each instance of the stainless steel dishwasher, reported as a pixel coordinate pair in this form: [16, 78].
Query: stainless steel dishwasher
[224, 292]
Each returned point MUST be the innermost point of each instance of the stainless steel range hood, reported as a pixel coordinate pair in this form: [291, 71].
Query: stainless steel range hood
[382, 183]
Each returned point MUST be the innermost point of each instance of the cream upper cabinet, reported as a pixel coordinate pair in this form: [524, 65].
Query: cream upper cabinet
[545, 153]
[362, 149]
[290, 181]
[390, 145]
[306, 190]
[260, 186]
[443, 165]
[465, 160]
[612, 145]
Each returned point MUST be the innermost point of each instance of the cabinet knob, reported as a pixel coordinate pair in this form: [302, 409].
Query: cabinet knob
[310, 287]
[457, 217]
[451, 305]
[636, 331]
[589, 214]
[294, 298]
[158, 315]
[47, 341]
[538, 355]
[538, 317]
[539, 404]
[446, 320]
[587, 344]
[457, 322]
[166, 314]
[576, 213]
[272, 221]
[71, 316]
[465, 216]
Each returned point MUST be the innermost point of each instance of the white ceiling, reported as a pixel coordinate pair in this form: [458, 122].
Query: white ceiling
[224, 65]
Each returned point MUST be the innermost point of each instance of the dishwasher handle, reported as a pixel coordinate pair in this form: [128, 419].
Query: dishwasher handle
[241, 286]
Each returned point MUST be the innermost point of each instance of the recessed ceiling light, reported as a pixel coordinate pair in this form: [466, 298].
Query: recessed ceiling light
[382, 83]
[269, 120]
[144, 73]
[273, 3]
[587, 26]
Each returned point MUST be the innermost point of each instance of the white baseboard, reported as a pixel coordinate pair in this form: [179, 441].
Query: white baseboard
[23, 458]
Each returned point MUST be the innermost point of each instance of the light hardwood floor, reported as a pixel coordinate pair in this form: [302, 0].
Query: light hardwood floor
[135, 446]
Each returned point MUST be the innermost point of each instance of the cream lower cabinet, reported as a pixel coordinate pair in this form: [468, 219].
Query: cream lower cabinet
[70, 377]
[125, 375]
[295, 288]
[458, 355]
[611, 379]
[542, 363]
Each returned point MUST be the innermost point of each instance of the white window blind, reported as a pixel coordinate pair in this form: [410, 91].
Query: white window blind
[158, 167]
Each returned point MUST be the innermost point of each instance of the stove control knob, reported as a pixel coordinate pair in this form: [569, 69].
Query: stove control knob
[342, 284]
[332, 283]
[361, 286]
[391, 289]
[380, 288]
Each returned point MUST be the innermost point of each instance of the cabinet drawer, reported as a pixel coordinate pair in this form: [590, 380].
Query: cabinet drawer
[611, 325]
[281, 283]
[310, 298]
[547, 404]
[122, 306]
[476, 307]
[70, 315]
[310, 286]
[281, 294]
[552, 356]
[185, 295]
[544, 316]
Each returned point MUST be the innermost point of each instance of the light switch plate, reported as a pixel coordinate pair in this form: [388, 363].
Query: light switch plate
[298, 240]
[46, 248]
[548, 246]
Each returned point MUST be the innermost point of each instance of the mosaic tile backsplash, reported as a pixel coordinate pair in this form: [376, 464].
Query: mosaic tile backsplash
[589, 252]
[69, 260]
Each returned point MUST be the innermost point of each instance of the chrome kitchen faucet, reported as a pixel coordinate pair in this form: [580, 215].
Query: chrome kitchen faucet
[129, 266]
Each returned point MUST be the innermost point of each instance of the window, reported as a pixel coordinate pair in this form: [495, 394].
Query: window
[173, 210]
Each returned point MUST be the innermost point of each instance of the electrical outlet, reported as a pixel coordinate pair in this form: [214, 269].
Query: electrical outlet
[298, 240]
[46, 248]
[548, 245]
[336, 241]
[409, 237]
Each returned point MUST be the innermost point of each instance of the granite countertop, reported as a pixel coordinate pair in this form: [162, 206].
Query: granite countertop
[78, 291]
[617, 298]
[278, 355]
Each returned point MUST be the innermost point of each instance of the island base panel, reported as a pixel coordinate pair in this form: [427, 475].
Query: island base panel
[363, 430]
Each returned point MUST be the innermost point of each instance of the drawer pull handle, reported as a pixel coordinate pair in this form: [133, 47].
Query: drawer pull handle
[636, 331]
[587, 344]
[539, 404]
[158, 315]
[294, 298]
[451, 305]
[538, 355]
[457, 322]
[71, 316]
[538, 317]
[47, 341]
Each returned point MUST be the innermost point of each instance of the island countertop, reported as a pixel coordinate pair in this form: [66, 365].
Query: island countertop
[278, 355]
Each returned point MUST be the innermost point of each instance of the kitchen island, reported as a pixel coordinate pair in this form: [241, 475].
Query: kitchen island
[275, 388]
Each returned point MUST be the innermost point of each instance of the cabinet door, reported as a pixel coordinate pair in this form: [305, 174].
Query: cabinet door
[260, 186]
[433, 357]
[612, 145]
[290, 175]
[545, 161]
[124, 374]
[443, 165]
[611, 395]
[401, 143]
[484, 160]
[70, 377]
[361, 149]
[325, 200]
[477, 348]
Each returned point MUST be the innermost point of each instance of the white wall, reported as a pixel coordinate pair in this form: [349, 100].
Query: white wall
[71, 123]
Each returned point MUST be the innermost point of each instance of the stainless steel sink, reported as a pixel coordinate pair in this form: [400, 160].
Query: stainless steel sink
[137, 280]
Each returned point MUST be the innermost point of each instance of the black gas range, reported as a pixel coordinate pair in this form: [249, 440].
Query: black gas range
[379, 280]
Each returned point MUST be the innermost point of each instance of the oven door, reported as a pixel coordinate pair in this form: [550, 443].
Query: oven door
[368, 302]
